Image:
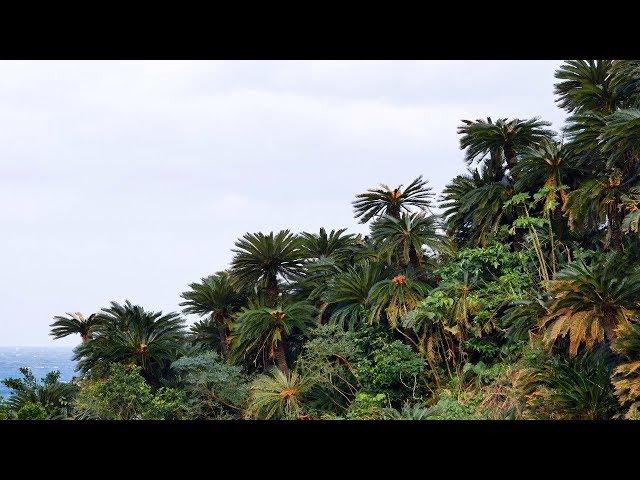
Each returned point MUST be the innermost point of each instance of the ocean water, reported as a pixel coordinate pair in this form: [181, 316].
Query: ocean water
[41, 360]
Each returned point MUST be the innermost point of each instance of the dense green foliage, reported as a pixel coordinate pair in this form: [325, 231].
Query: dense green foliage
[46, 399]
[125, 395]
[520, 300]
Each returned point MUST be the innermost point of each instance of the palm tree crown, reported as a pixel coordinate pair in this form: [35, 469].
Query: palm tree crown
[348, 292]
[260, 259]
[387, 201]
[591, 299]
[263, 331]
[404, 238]
[130, 334]
[504, 138]
[218, 298]
[73, 323]
[326, 245]
[585, 85]
[277, 395]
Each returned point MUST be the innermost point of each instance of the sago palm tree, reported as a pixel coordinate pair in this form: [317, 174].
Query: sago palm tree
[505, 138]
[403, 239]
[544, 165]
[586, 85]
[577, 388]
[546, 171]
[626, 80]
[621, 140]
[205, 335]
[590, 299]
[73, 323]
[216, 297]
[602, 139]
[130, 334]
[392, 202]
[262, 332]
[347, 294]
[276, 395]
[411, 412]
[599, 201]
[393, 298]
[325, 245]
[626, 376]
[474, 207]
[261, 259]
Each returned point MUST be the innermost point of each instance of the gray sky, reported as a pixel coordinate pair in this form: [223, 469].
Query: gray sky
[129, 180]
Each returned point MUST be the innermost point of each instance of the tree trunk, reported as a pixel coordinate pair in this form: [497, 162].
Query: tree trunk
[218, 318]
[224, 341]
[272, 291]
[323, 316]
[281, 357]
[394, 211]
[610, 322]
[615, 225]
[510, 157]
[414, 260]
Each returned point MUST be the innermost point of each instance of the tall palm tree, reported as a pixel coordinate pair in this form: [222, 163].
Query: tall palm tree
[392, 202]
[590, 299]
[325, 245]
[260, 259]
[130, 334]
[73, 323]
[263, 332]
[328, 254]
[364, 249]
[602, 138]
[205, 335]
[504, 139]
[394, 298]
[347, 294]
[218, 298]
[621, 140]
[403, 238]
[544, 165]
[547, 172]
[473, 206]
[596, 202]
[626, 80]
[586, 85]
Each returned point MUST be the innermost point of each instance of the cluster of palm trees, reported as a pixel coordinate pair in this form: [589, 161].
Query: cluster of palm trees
[570, 201]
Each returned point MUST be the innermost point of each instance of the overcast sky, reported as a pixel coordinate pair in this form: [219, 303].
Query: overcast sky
[129, 180]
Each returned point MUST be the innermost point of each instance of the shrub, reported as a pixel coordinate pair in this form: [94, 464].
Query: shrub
[215, 390]
[31, 411]
[411, 412]
[575, 388]
[125, 395]
[50, 393]
[450, 407]
[329, 357]
[367, 406]
[5, 410]
[395, 370]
